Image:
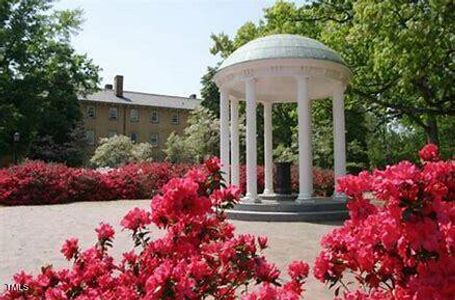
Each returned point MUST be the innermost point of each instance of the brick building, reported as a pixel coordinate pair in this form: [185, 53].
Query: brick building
[141, 116]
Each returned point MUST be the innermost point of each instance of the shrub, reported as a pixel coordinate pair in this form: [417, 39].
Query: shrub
[113, 152]
[120, 150]
[36, 182]
[403, 249]
[143, 152]
[199, 257]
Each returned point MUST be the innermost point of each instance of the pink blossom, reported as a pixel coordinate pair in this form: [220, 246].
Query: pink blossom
[298, 270]
[70, 248]
[429, 153]
[105, 231]
[135, 219]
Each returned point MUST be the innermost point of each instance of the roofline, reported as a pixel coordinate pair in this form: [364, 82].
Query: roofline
[135, 104]
[232, 68]
[280, 58]
[162, 95]
[143, 93]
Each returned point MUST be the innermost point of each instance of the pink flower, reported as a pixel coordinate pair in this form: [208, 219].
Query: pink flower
[266, 271]
[105, 232]
[298, 270]
[429, 153]
[262, 241]
[70, 248]
[213, 164]
[228, 195]
[136, 218]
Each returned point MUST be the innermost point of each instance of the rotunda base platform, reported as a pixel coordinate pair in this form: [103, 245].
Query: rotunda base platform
[275, 208]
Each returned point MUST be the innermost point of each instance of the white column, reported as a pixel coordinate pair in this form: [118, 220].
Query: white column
[268, 161]
[235, 176]
[339, 143]
[305, 149]
[224, 134]
[251, 146]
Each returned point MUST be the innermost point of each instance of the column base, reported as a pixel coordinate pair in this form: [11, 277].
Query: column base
[304, 198]
[268, 192]
[251, 199]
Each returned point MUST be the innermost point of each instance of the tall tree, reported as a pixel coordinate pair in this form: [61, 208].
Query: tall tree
[402, 54]
[41, 75]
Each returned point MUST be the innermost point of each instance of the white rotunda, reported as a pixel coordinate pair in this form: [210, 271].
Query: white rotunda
[271, 70]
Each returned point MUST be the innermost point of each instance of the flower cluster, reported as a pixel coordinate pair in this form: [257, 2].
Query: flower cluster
[36, 182]
[199, 255]
[402, 248]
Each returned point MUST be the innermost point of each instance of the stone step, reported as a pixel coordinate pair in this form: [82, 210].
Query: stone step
[266, 216]
[291, 206]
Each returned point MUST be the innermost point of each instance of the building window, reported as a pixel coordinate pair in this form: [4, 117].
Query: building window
[113, 113]
[133, 137]
[154, 139]
[91, 112]
[134, 115]
[154, 116]
[90, 137]
[175, 117]
[112, 133]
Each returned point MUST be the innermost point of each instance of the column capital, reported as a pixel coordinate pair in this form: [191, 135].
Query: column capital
[301, 77]
[224, 90]
[340, 87]
[266, 103]
[234, 100]
[250, 80]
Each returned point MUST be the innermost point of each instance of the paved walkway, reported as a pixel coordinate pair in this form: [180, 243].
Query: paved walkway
[31, 236]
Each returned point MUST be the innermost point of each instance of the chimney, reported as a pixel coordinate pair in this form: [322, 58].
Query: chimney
[118, 85]
[108, 86]
[192, 96]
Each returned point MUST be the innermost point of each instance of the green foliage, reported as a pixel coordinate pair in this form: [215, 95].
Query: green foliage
[176, 149]
[143, 152]
[41, 76]
[119, 150]
[200, 139]
[401, 53]
[209, 92]
[284, 154]
[113, 152]
[72, 152]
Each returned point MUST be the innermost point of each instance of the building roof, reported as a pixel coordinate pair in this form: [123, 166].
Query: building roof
[144, 99]
[281, 46]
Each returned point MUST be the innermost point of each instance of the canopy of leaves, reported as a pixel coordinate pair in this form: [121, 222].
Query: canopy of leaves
[200, 138]
[41, 75]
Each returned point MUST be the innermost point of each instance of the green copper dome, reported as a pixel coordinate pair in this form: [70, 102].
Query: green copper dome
[282, 46]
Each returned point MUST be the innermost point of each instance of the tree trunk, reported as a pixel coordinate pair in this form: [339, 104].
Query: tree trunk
[431, 130]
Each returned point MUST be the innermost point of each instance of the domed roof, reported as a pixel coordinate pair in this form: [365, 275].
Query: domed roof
[282, 46]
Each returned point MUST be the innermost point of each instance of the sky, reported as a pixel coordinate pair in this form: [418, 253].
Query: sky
[159, 46]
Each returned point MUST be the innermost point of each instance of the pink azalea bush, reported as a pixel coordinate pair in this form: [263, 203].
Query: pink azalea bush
[35, 182]
[199, 256]
[403, 249]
